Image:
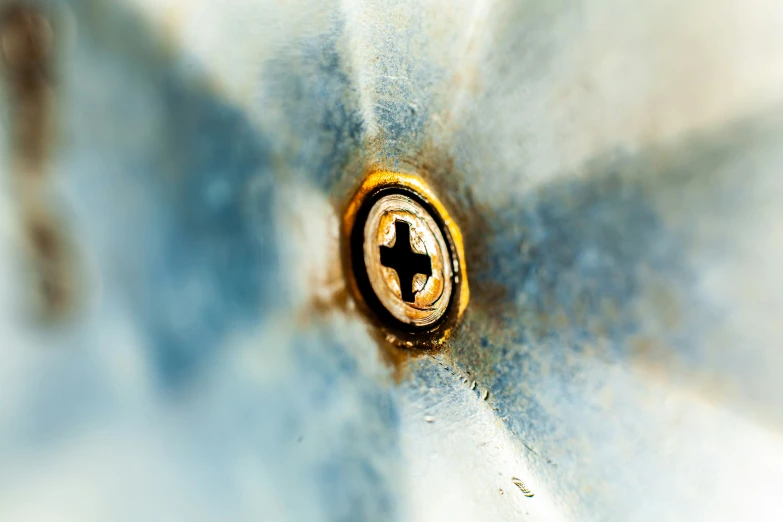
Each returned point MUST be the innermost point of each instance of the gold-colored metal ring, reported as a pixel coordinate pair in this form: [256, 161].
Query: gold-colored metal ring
[382, 200]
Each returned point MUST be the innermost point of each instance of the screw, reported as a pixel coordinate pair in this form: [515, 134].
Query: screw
[407, 259]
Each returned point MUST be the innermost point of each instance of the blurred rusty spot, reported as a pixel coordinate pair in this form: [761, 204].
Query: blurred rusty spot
[45, 240]
[26, 39]
[49, 253]
[27, 56]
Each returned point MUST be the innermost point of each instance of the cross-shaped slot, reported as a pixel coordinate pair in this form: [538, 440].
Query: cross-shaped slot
[402, 259]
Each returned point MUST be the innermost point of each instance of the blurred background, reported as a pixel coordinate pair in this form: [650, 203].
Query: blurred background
[177, 341]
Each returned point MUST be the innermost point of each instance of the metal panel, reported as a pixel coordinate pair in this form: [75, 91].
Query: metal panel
[178, 339]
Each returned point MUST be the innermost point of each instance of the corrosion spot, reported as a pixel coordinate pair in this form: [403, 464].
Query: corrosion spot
[26, 36]
[26, 40]
[26, 58]
[50, 258]
[45, 240]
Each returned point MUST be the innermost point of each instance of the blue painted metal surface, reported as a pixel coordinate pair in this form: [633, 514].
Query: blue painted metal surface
[615, 172]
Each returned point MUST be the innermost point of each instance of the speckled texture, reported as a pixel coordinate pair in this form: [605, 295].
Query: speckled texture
[614, 171]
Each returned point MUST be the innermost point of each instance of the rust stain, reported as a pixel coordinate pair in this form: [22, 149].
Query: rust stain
[27, 45]
[435, 167]
[49, 253]
[26, 39]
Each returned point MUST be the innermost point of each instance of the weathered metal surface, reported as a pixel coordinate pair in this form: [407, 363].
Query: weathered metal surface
[615, 171]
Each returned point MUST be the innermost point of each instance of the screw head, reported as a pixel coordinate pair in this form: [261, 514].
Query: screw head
[408, 261]
[405, 259]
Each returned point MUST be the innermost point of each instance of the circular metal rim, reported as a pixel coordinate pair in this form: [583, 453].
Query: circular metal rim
[401, 310]
[373, 186]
